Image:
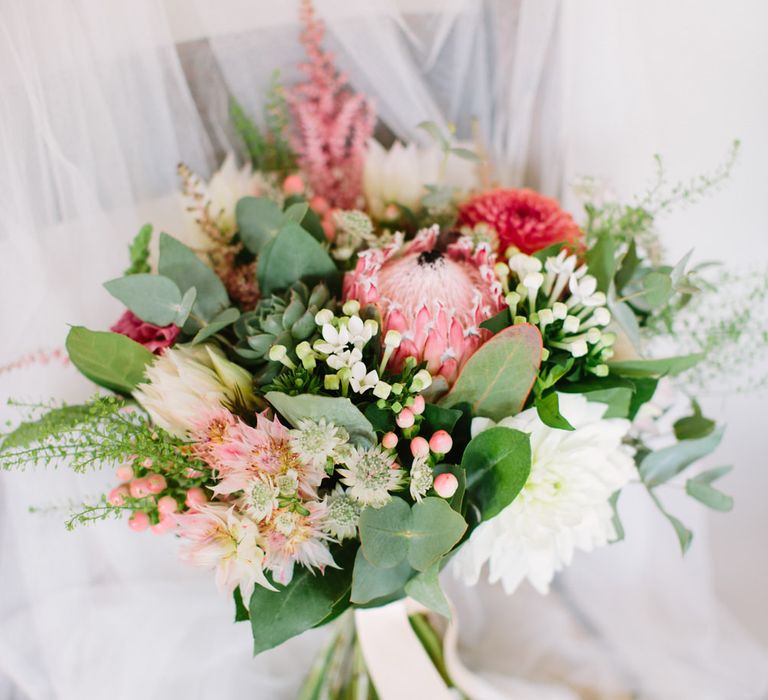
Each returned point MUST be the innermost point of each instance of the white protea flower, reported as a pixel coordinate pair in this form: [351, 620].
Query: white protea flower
[400, 175]
[564, 505]
[219, 537]
[370, 475]
[343, 514]
[260, 497]
[421, 478]
[185, 382]
[315, 442]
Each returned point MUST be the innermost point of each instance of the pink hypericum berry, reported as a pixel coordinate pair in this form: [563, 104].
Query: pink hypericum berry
[117, 495]
[138, 521]
[446, 485]
[147, 463]
[418, 404]
[405, 419]
[193, 473]
[319, 204]
[329, 226]
[293, 184]
[419, 447]
[124, 472]
[195, 497]
[389, 441]
[166, 524]
[391, 212]
[139, 488]
[440, 443]
[156, 483]
[167, 504]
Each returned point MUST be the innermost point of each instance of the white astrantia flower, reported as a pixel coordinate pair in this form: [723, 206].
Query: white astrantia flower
[370, 475]
[314, 442]
[421, 478]
[260, 497]
[343, 514]
[564, 505]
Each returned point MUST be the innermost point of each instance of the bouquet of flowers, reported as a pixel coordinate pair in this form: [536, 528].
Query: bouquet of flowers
[371, 365]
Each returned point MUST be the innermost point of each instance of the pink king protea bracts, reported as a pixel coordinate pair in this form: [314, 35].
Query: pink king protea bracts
[434, 293]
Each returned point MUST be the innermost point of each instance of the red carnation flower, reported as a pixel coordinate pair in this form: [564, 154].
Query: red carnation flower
[153, 338]
[522, 218]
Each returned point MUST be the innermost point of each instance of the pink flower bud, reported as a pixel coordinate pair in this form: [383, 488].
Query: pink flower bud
[391, 212]
[319, 204]
[117, 495]
[389, 441]
[293, 184]
[147, 463]
[138, 521]
[166, 524]
[446, 484]
[329, 226]
[195, 497]
[156, 483]
[139, 488]
[440, 442]
[405, 419]
[418, 405]
[124, 472]
[166, 505]
[419, 447]
[193, 473]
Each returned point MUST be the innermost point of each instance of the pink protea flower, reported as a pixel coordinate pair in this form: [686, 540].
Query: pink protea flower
[522, 218]
[434, 295]
[154, 338]
[292, 538]
[246, 453]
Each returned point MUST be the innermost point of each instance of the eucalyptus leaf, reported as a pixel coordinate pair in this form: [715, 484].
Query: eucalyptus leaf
[434, 131]
[656, 367]
[425, 588]
[221, 321]
[439, 418]
[497, 379]
[661, 465]
[153, 298]
[295, 212]
[109, 359]
[293, 255]
[258, 221]
[625, 318]
[335, 409]
[497, 462]
[548, 409]
[241, 611]
[466, 154]
[618, 528]
[708, 495]
[684, 535]
[370, 582]
[185, 308]
[657, 288]
[679, 270]
[694, 426]
[421, 534]
[629, 265]
[601, 260]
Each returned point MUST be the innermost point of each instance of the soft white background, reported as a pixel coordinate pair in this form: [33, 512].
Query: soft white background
[680, 78]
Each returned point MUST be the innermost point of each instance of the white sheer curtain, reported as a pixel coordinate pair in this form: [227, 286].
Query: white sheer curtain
[98, 102]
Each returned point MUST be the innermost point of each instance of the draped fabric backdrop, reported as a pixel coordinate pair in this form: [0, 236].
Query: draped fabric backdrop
[100, 101]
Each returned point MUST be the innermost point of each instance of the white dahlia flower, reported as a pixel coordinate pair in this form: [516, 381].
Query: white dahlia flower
[564, 505]
[399, 175]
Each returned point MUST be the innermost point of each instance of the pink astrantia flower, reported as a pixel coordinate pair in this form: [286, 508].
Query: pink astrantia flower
[292, 538]
[219, 537]
[246, 453]
[434, 295]
[154, 338]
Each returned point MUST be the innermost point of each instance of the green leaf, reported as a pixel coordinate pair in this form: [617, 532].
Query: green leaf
[421, 534]
[370, 582]
[457, 500]
[295, 212]
[109, 359]
[616, 520]
[658, 289]
[708, 495]
[335, 409]
[679, 270]
[625, 318]
[497, 379]
[629, 264]
[684, 535]
[466, 154]
[51, 424]
[153, 298]
[498, 463]
[657, 367]
[241, 612]
[307, 600]
[434, 131]
[660, 466]
[425, 588]
[180, 264]
[645, 388]
[548, 409]
[258, 221]
[224, 319]
[601, 261]
[439, 418]
[138, 251]
[498, 322]
[618, 399]
[695, 426]
[293, 255]
[185, 308]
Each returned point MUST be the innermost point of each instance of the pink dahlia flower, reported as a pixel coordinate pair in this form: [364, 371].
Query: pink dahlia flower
[154, 338]
[434, 295]
[522, 218]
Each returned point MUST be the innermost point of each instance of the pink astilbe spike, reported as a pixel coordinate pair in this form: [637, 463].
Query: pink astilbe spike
[333, 123]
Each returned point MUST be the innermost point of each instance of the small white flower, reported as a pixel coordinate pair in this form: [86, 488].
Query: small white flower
[359, 333]
[343, 514]
[360, 380]
[346, 358]
[315, 442]
[370, 475]
[522, 264]
[335, 340]
[421, 478]
[564, 505]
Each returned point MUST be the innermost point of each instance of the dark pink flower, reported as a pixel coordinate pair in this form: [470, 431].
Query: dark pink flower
[154, 338]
